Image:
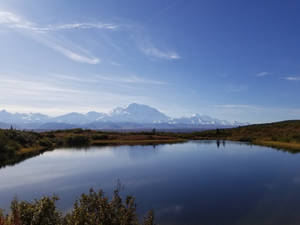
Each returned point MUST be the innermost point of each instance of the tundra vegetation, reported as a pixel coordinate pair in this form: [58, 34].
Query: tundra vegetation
[89, 209]
[16, 145]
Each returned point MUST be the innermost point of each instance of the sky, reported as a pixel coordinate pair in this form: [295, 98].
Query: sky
[233, 60]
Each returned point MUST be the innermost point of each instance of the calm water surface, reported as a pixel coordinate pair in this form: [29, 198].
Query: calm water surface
[191, 183]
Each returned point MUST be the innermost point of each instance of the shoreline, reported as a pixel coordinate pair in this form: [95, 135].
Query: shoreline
[19, 145]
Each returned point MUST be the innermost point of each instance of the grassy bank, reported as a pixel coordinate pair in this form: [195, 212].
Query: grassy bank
[282, 135]
[16, 145]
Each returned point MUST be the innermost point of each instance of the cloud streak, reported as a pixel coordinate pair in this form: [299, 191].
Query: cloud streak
[71, 26]
[262, 74]
[46, 36]
[129, 79]
[158, 53]
[257, 113]
[14, 21]
[31, 92]
[292, 78]
[74, 55]
[49, 34]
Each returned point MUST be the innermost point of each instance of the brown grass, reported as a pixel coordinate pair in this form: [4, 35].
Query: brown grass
[280, 145]
[137, 142]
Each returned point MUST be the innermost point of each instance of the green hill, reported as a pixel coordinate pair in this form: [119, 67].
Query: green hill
[285, 134]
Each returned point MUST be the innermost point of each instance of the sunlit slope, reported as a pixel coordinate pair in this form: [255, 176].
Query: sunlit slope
[285, 134]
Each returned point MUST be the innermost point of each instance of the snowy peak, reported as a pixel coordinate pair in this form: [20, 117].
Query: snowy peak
[79, 118]
[22, 117]
[197, 119]
[137, 113]
[95, 116]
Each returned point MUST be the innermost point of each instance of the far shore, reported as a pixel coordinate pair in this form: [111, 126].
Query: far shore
[16, 145]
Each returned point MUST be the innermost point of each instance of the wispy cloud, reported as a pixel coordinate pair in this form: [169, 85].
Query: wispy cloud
[233, 106]
[105, 26]
[14, 21]
[20, 86]
[256, 113]
[24, 92]
[158, 53]
[46, 36]
[262, 74]
[292, 78]
[49, 34]
[235, 88]
[73, 55]
[74, 78]
[129, 79]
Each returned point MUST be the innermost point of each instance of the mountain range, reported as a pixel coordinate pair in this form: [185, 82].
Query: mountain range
[134, 116]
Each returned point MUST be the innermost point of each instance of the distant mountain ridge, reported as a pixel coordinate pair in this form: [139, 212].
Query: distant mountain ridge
[134, 116]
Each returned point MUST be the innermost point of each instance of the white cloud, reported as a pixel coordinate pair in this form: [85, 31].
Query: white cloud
[233, 106]
[40, 95]
[292, 78]
[74, 78]
[20, 86]
[42, 35]
[73, 55]
[157, 53]
[105, 26]
[47, 35]
[262, 74]
[129, 79]
[14, 21]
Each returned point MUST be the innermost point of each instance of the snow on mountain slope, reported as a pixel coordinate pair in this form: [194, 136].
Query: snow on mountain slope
[10, 118]
[78, 118]
[137, 113]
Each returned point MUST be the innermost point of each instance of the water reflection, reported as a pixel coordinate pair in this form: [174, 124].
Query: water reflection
[200, 182]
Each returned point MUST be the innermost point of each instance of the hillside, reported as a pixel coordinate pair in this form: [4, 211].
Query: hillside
[16, 145]
[284, 135]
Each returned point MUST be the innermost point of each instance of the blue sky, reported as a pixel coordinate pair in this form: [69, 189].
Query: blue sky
[234, 60]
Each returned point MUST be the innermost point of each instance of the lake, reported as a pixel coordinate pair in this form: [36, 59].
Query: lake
[198, 182]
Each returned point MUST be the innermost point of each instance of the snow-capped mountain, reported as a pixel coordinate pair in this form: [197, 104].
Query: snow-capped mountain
[134, 116]
[78, 118]
[13, 118]
[197, 119]
[137, 113]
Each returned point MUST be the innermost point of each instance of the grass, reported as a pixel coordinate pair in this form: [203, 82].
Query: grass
[282, 135]
[292, 147]
[18, 145]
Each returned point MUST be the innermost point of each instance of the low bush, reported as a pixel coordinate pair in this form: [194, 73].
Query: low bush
[100, 137]
[77, 140]
[90, 209]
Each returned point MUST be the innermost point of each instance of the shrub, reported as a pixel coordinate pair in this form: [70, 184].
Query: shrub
[45, 142]
[100, 137]
[89, 209]
[78, 140]
[39, 212]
